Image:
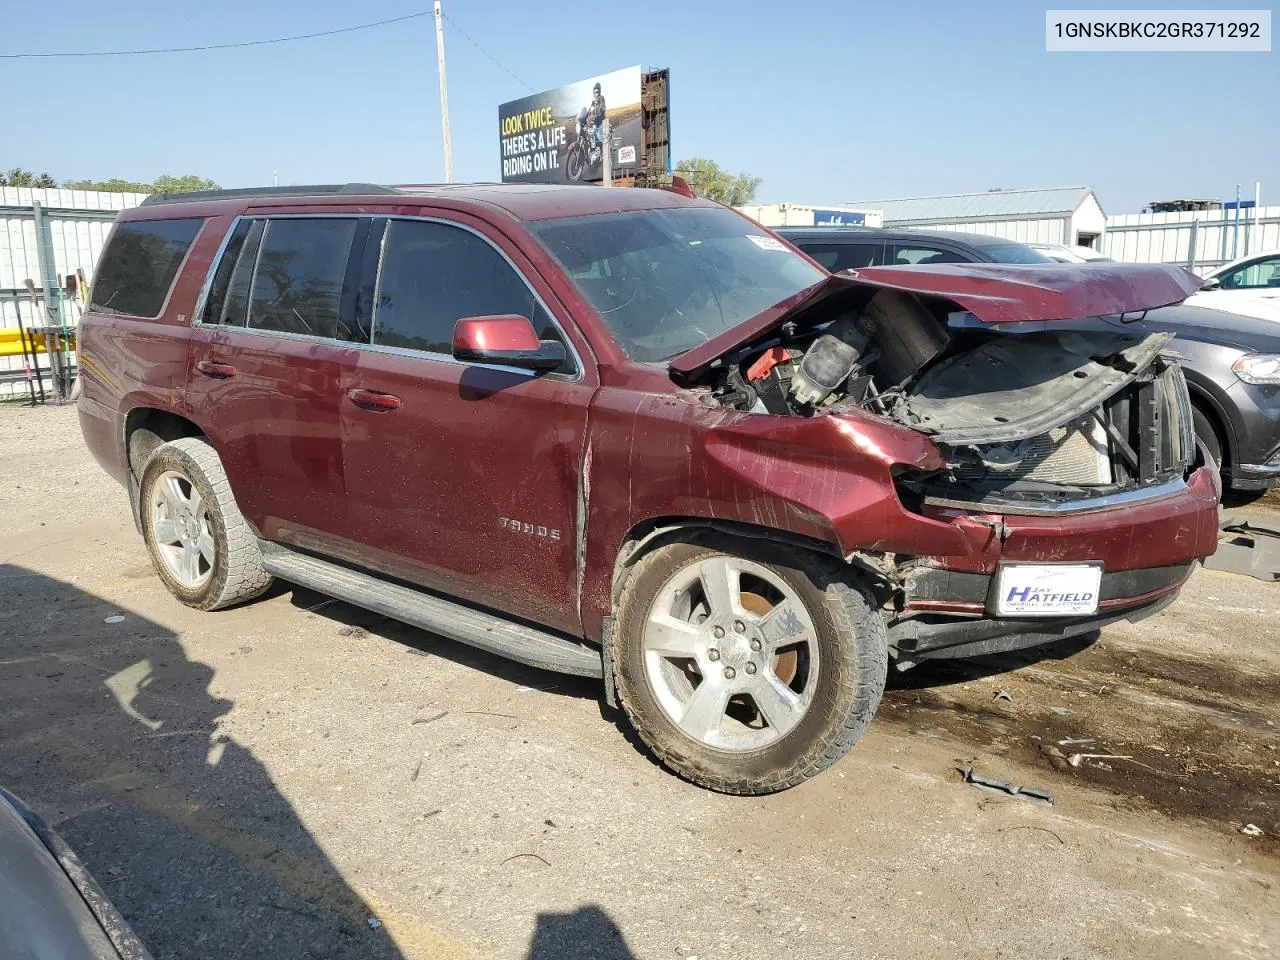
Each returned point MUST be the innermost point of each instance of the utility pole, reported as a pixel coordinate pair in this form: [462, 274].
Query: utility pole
[444, 97]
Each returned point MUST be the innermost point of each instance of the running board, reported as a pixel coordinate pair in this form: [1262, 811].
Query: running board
[515, 641]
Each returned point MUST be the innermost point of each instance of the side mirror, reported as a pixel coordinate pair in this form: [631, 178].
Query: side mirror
[507, 340]
[1213, 283]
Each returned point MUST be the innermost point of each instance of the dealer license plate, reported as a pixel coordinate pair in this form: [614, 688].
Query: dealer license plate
[1047, 589]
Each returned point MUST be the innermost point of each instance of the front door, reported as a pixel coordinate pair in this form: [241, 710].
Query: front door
[267, 361]
[465, 478]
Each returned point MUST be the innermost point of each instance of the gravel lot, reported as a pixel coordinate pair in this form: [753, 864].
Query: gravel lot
[262, 782]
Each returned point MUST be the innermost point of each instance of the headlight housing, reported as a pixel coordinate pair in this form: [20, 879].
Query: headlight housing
[1259, 368]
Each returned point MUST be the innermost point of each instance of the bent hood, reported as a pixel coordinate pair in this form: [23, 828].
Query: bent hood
[992, 292]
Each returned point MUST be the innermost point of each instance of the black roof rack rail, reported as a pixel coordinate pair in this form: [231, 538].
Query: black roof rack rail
[312, 190]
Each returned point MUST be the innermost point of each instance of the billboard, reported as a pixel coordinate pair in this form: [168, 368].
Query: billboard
[552, 137]
[839, 218]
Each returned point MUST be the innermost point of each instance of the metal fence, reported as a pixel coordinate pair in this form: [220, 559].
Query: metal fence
[1199, 239]
[46, 236]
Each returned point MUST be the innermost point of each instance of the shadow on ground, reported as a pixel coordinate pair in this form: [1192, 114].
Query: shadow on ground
[585, 934]
[942, 673]
[111, 733]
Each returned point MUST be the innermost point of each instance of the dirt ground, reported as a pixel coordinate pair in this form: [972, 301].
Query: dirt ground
[297, 778]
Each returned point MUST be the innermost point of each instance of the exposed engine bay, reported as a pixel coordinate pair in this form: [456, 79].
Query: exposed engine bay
[1045, 411]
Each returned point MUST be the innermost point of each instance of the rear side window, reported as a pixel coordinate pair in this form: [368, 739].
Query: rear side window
[433, 275]
[907, 254]
[843, 256]
[297, 286]
[139, 265]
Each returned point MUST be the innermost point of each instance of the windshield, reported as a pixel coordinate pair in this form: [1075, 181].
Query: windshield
[665, 281]
[1016, 253]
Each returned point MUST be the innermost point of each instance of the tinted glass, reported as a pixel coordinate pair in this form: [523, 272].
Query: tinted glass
[297, 287]
[235, 307]
[904, 254]
[139, 265]
[665, 281]
[1017, 253]
[222, 276]
[433, 275]
[843, 256]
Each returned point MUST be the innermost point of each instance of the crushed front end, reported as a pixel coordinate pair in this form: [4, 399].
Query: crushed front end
[1066, 462]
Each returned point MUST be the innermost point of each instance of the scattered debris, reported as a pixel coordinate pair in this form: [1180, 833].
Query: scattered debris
[417, 769]
[116, 871]
[322, 604]
[114, 618]
[1002, 695]
[1080, 741]
[1251, 830]
[549, 823]
[429, 814]
[984, 782]
[488, 713]
[517, 856]
[1028, 826]
[434, 716]
[353, 631]
[374, 923]
[1247, 547]
[1062, 711]
[1078, 758]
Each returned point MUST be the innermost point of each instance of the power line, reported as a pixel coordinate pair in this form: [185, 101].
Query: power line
[499, 64]
[229, 46]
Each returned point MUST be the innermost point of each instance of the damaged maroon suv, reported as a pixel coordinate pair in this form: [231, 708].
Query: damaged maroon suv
[630, 435]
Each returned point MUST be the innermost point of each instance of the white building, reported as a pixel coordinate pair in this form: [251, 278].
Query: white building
[803, 215]
[1066, 215]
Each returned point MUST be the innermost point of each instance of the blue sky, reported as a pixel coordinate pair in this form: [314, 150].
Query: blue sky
[826, 101]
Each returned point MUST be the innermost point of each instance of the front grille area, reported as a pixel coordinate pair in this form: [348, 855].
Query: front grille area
[1149, 427]
[1141, 436]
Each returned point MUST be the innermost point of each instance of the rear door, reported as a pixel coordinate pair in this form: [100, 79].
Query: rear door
[276, 331]
[462, 477]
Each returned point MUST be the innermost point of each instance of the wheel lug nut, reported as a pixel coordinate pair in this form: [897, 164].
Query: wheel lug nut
[750, 668]
[729, 673]
[713, 654]
[739, 626]
[755, 644]
[718, 632]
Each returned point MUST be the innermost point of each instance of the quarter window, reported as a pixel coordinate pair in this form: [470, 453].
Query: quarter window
[433, 275]
[297, 286]
[139, 265]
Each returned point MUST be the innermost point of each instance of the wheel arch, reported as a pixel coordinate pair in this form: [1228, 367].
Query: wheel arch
[1213, 410]
[161, 427]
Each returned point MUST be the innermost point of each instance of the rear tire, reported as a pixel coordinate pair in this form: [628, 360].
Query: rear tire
[201, 546]
[781, 677]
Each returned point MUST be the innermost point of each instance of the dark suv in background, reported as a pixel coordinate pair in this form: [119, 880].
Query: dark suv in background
[1230, 360]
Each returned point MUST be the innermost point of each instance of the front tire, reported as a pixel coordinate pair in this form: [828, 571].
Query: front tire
[744, 671]
[201, 546]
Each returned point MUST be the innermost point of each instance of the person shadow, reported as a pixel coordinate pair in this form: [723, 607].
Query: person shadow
[111, 733]
[587, 933]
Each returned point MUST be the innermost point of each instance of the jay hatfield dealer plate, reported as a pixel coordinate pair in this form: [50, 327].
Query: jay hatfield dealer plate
[1047, 589]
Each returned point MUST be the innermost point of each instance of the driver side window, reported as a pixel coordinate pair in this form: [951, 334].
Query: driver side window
[1257, 275]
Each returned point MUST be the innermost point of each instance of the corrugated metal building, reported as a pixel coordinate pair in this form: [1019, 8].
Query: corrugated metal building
[46, 235]
[1067, 215]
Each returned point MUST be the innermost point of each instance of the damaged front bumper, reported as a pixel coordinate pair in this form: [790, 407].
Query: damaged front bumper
[1147, 549]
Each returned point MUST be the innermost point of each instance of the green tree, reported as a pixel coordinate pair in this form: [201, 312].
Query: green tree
[185, 184]
[163, 184]
[114, 185]
[707, 179]
[18, 177]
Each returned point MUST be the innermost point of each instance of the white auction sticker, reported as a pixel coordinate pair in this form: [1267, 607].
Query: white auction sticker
[767, 243]
[1047, 589]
